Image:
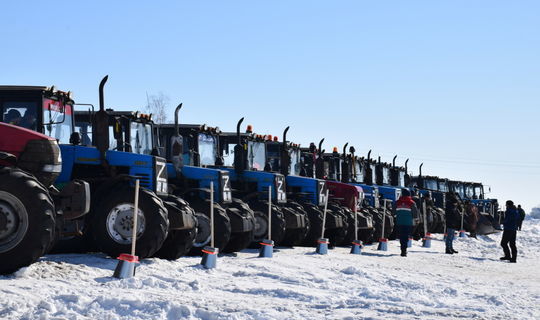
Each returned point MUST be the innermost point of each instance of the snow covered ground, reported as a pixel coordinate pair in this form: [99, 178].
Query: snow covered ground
[295, 284]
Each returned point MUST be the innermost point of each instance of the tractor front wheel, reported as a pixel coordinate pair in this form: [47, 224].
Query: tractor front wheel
[27, 219]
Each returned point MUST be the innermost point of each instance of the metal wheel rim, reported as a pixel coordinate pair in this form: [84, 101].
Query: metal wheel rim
[15, 221]
[203, 236]
[261, 227]
[119, 223]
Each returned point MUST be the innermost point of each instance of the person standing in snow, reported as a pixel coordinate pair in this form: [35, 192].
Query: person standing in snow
[453, 220]
[510, 223]
[406, 213]
[472, 217]
[521, 213]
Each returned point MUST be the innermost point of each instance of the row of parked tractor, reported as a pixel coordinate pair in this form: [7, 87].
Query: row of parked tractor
[67, 175]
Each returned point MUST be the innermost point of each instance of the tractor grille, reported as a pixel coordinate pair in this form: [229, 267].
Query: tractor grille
[145, 180]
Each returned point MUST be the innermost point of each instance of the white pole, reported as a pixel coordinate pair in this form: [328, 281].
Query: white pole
[212, 213]
[355, 221]
[462, 217]
[384, 218]
[135, 214]
[424, 216]
[269, 212]
[324, 214]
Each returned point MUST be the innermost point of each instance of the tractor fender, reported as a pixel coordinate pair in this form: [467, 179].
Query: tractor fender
[7, 157]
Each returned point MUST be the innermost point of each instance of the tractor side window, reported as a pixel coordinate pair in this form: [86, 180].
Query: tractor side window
[85, 130]
[359, 171]
[207, 149]
[21, 114]
[57, 121]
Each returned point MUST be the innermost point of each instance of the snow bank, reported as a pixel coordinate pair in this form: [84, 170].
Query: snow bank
[295, 284]
[535, 213]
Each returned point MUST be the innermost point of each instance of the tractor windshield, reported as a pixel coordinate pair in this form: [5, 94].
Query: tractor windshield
[207, 149]
[430, 184]
[386, 175]
[296, 161]
[401, 179]
[358, 172]
[443, 186]
[141, 138]
[256, 155]
[469, 192]
[273, 155]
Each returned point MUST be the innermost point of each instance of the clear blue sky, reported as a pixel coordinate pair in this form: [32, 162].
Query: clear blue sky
[453, 84]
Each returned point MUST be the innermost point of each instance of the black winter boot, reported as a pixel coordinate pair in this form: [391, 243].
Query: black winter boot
[505, 258]
[403, 252]
[449, 251]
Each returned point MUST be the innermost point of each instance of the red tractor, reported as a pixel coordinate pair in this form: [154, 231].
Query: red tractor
[31, 208]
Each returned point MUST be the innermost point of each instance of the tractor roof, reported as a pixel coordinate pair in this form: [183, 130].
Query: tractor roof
[23, 88]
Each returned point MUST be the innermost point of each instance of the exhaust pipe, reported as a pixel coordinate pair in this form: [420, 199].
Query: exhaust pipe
[406, 167]
[176, 127]
[345, 150]
[369, 156]
[394, 161]
[285, 136]
[239, 155]
[285, 158]
[420, 169]
[101, 123]
[320, 146]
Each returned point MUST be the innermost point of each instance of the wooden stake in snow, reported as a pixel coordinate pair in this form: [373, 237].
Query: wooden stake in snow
[424, 217]
[135, 214]
[212, 213]
[269, 212]
[384, 219]
[355, 220]
[324, 214]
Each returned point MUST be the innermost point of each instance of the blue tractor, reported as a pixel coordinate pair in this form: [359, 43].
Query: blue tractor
[192, 151]
[132, 132]
[243, 155]
[306, 192]
[98, 157]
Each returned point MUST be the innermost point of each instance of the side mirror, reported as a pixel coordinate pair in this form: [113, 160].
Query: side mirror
[75, 138]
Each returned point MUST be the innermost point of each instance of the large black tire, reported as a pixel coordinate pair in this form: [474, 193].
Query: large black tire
[240, 240]
[295, 237]
[315, 216]
[27, 219]
[178, 242]
[349, 238]
[222, 226]
[112, 219]
[260, 208]
[336, 235]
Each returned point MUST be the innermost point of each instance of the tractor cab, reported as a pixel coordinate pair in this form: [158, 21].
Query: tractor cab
[244, 155]
[285, 157]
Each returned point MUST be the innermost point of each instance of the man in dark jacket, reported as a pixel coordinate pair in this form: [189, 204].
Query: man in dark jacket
[521, 213]
[453, 220]
[510, 223]
[406, 212]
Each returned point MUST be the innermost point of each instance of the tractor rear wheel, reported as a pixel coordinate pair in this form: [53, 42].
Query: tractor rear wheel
[178, 242]
[112, 222]
[27, 219]
[260, 208]
[242, 219]
[222, 226]
[315, 216]
[295, 237]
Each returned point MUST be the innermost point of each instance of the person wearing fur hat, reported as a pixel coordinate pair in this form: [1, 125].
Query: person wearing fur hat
[406, 213]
